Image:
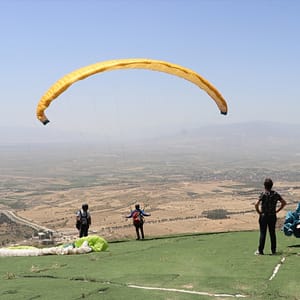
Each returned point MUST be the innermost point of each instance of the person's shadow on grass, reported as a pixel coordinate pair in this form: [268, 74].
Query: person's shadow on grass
[294, 249]
[294, 246]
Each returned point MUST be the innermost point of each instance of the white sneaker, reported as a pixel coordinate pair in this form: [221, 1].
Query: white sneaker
[258, 253]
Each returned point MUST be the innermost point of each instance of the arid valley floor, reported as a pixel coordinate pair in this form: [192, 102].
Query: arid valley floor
[187, 189]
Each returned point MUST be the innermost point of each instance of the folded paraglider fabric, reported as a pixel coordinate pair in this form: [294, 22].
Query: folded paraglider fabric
[80, 246]
[97, 243]
[291, 224]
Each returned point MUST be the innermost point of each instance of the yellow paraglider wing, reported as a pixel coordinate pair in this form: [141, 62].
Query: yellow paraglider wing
[138, 63]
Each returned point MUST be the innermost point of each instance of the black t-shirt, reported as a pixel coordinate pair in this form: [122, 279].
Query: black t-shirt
[269, 202]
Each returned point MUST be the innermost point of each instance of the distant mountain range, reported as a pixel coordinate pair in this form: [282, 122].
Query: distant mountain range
[240, 137]
[255, 145]
[252, 136]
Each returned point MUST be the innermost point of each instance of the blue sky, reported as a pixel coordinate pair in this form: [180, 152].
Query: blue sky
[248, 49]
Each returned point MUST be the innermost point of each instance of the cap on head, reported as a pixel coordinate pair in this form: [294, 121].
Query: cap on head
[268, 183]
[85, 206]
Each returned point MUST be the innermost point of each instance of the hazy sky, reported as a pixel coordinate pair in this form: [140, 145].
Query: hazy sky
[248, 49]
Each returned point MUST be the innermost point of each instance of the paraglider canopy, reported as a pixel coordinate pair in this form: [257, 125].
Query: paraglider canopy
[132, 63]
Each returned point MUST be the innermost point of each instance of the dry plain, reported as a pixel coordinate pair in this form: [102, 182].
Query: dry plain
[184, 207]
[186, 185]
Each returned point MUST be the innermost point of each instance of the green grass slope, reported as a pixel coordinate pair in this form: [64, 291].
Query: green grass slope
[203, 266]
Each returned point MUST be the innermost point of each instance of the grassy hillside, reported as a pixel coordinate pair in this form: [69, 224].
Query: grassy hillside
[202, 266]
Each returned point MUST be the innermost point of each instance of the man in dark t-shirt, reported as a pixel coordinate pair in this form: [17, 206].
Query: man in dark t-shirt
[266, 207]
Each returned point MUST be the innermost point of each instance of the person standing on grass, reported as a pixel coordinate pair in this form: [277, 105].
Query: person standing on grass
[266, 207]
[137, 216]
[83, 220]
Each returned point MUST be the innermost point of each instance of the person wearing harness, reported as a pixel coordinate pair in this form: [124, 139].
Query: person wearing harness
[137, 216]
[266, 207]
[83, 220]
